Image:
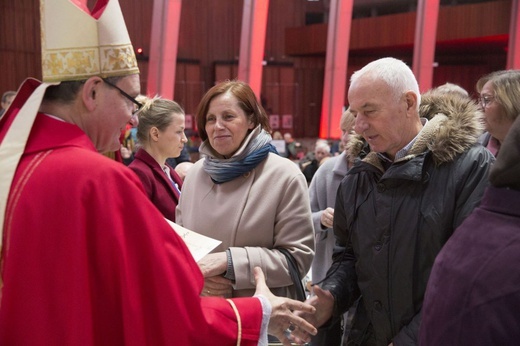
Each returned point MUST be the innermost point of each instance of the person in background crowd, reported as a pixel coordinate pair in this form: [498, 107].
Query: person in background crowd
[128, 145]
[321, 154]
[473, 293]
[160, 134]
[183, 168]
[322, 195]
[184, 156]
[279, 143]
[452, 88]
[7, 99]
[428, 107]
[86, 258]
[277, 136]
[500, 99]
[252, 199]
[290, 147]
[397, 207]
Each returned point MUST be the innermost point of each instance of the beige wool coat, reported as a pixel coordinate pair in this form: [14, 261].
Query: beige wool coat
[252, 215]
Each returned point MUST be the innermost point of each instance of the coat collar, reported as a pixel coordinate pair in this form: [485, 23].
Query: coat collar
[142, 155]
[341, 165]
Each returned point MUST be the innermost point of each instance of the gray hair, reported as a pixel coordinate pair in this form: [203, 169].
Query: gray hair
[449, 88]
[395, 73]
[323, 144]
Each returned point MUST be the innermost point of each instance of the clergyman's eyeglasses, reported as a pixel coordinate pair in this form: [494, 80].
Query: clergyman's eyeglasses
[138, 105]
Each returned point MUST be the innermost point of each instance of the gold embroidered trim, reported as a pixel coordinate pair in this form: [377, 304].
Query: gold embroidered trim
[239, 321]
[84, 62]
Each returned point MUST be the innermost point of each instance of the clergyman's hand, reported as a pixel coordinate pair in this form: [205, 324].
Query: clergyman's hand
[282, 316]
[217, 286]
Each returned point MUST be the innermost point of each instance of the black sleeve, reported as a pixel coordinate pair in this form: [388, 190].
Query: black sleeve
[341, 279]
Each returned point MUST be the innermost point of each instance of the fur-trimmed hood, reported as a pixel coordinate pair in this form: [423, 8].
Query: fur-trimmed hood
[454, 125]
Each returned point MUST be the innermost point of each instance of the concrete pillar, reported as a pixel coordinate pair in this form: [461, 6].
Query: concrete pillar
[513, 55]
[252, 43]
[338, 42]
[424, 44]
[166, 19]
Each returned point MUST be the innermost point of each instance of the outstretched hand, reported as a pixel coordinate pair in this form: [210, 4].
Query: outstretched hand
[282, 316]
[323, 301]
[217, 286]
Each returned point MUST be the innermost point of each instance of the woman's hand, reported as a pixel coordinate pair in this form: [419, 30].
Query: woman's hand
[213, 264]
[283, 319]
[327, 217]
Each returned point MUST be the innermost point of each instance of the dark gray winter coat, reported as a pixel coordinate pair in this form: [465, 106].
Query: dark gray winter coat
[390, 224]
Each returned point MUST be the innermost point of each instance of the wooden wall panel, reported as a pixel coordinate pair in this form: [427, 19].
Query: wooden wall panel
[465, 75]
[209, 32]
[282, 15]
[309, 73]
[289, 91]
[19, 42]
[306, 40]
[455, 22]
[384, 31]
[271, 90]
[138, 19]
[474, 20]
[280, 91]
[194, 88]
[224, 71]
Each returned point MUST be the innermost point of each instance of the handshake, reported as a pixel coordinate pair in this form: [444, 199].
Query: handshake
[293, 321]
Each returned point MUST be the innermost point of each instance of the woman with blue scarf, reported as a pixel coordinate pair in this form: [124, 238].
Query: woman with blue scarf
[244, 194]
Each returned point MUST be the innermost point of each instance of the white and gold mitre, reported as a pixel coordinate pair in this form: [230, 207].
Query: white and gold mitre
[77, 44]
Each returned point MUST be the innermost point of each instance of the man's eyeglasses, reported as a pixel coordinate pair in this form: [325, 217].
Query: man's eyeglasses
[138, 105]
[485, 100]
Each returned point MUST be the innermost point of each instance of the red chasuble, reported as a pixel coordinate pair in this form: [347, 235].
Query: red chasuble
[88, 260]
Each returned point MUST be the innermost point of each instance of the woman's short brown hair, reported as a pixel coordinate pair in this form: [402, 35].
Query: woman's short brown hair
[247, 101]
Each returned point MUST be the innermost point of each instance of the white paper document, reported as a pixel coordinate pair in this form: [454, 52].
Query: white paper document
[198, 244]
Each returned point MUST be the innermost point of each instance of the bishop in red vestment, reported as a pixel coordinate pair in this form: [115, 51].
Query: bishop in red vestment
[86, 258]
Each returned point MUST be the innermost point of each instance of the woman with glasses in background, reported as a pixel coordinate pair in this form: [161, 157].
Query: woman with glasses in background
[160, 135]
[500, 100]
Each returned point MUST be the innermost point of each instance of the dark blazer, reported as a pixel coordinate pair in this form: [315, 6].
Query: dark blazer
[156, 184]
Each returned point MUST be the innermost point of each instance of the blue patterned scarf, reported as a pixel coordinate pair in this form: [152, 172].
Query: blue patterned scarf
[255, 149]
